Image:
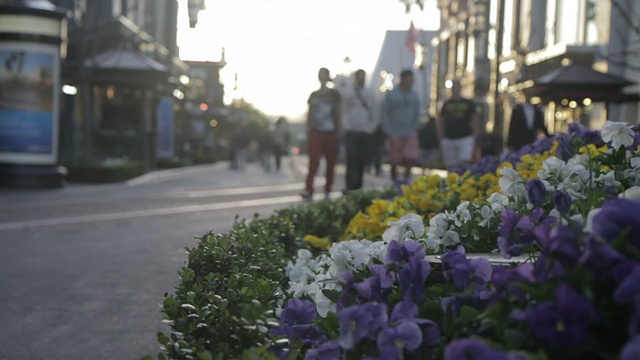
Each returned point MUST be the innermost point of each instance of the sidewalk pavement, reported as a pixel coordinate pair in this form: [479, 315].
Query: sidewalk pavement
[292, 171]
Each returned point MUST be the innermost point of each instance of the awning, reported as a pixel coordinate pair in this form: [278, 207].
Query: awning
[125, 66]
[124, 59]
[578, 82]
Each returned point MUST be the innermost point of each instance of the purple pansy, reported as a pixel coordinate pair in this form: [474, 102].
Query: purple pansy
[598, 257]
[295, 321]
[360, 322]
[562, 202]
[631, 351]
[329, 350]
[399, 252]
[392, 340]
[298, 312]
[474, 349]
[564, 151]
[408, 311]
[560, 252]
[518, 234]
[506, 231]
[412, 278]
[505, 280]
[563, 322]
[457, 301]
[615, 216]
[628, 292]
[464, 272]
[536, 192]
[379, 285]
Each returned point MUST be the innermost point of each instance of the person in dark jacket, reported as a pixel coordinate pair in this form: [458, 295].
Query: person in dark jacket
[527, 121]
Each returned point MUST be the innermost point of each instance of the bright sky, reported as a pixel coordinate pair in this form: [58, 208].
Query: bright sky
[277, 46]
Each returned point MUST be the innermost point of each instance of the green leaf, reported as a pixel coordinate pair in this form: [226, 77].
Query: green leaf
[205, 355]
[468, 314]
[515, 339]
[332, 295]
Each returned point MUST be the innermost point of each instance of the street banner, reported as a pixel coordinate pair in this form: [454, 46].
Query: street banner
[165, 128]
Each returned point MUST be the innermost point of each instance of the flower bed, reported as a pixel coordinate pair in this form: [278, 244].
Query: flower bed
[562, 206]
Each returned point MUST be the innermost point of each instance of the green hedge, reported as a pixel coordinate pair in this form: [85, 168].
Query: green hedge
[223, 305]
[98, 173]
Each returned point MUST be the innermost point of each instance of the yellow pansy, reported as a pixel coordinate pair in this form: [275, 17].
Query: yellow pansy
[318, 242]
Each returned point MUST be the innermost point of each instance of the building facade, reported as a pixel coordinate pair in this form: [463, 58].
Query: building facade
[500, 48]
[128, 83]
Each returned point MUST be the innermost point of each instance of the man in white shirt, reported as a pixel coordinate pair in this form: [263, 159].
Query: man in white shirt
[359, 122]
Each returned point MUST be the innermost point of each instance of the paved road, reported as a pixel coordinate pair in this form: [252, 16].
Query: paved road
[83, 269]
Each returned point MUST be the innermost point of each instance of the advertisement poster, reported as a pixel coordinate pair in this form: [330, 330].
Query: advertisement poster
[29, 77]
[165, 137]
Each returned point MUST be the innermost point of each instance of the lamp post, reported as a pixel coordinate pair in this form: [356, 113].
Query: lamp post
[32, 33]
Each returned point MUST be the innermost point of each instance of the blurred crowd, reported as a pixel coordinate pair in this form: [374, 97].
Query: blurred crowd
[349, 123]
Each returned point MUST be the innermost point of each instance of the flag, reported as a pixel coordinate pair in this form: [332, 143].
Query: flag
[412, 37]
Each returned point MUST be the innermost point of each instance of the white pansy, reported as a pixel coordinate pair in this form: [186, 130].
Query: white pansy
[462, 213]
[632, 193]
[304, 255]
[618, 133]
[634, 162]
[608, 179]
[399, 230]
[297, 289]
[378, 250]
[438, 225]
[553, 169]
[300, 273]
[450, 238]
[508, 181]
[326, 281]
[520, 191]
[498, 202]
[487, 214]
[577, 219]
[589, 224]
[579, 159]
[312, 288]
[432, 243]
[324, 305]
[578, 171]
[352, 254]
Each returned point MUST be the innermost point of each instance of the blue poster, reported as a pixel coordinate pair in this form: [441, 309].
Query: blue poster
[28, 118]
[164, 139]
[26, 131]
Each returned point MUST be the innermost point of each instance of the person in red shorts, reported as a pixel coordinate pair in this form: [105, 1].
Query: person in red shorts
[400, 115]
[323, 126]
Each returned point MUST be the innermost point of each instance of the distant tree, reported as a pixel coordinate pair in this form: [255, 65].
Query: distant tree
[255, 119]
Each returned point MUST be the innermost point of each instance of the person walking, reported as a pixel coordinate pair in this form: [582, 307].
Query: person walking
[359, 123]
[527, 122]
[377, 150]
[240, 143]
[457, 128]
[266, 149]
[281, 140]
[323, 125]
[400, 115]
[429, 146]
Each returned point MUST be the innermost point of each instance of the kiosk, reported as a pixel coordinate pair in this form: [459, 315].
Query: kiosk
[32, 33]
